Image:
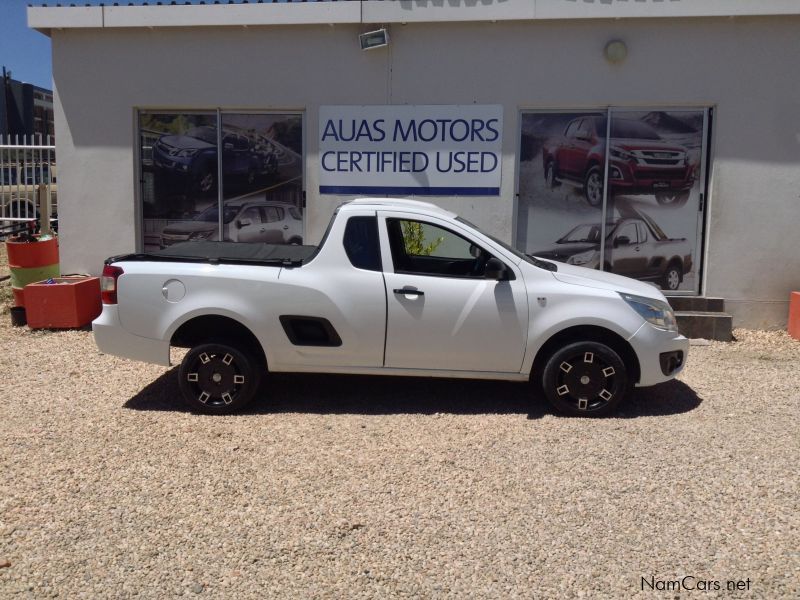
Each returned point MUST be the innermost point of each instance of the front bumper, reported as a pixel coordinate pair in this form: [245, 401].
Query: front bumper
[649, 344]
[112, 338]
[642, 179]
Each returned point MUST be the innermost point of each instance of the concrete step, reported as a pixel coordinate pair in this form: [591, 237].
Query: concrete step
[696, 303]
[704, 324]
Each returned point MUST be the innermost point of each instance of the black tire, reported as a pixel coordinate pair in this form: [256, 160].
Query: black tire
[593, 187]
[585, 379]
[551, 175]
[672, 278]
[672, 199]
[219, 377]
[205, 182]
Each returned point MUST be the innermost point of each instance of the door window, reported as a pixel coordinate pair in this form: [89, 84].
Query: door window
[572, 128]
[426, 249]
[273, 214]
[642, 232]
[252, 214]
[361, 243]
[629, 231]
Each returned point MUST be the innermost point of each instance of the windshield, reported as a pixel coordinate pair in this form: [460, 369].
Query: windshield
[537, 262]
[211, 215]
[628, 128]
[582, 233]
[207, 134]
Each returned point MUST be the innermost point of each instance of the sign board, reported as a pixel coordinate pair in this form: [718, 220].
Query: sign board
[436, 150]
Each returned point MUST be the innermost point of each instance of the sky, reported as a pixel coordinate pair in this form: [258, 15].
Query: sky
[23, 51]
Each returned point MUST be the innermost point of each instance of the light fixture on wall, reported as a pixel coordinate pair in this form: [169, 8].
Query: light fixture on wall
[374, 39]
[616, 51]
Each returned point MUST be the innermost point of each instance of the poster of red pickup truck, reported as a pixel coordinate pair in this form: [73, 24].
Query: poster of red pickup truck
[642, 216]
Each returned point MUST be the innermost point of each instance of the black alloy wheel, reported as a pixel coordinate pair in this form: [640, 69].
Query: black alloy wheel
[585, 379]
[219, 378]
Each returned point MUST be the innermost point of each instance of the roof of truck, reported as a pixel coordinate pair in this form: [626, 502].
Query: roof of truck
[401, 204]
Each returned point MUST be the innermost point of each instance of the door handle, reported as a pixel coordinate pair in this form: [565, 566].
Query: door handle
[262, 230]
[410, 292]
[285, 227]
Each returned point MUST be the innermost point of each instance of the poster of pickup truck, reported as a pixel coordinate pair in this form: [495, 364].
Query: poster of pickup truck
[654, 182]
[635, 247]
[641, 161]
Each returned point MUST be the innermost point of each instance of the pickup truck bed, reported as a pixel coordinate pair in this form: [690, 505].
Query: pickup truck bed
[226, 253]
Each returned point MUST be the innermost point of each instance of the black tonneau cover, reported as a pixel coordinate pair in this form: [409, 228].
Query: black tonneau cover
[226, 253]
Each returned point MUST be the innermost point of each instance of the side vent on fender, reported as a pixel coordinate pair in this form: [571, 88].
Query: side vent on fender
[310, 331]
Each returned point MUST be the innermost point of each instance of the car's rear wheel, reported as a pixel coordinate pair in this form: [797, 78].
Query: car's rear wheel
[672, 199]
[219, 377]
[585, 379]
[593, 187]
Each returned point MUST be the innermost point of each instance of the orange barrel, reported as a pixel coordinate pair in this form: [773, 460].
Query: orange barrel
[30, 262]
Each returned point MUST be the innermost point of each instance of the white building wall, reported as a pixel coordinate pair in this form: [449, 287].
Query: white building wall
[744, 67]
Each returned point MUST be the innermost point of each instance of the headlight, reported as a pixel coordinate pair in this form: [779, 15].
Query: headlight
[616, 153]
[201, 235]
[186, 153]
[582, 258]
[657, 313]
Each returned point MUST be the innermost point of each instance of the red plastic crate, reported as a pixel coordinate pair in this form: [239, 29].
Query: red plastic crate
[794, 315]
[68, 302]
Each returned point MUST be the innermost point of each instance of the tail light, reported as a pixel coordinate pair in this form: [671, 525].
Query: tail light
[108, 284]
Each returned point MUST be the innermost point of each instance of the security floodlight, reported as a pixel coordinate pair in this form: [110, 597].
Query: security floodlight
[374, 39]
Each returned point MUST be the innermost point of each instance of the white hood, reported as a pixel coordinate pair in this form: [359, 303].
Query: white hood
[606, 281]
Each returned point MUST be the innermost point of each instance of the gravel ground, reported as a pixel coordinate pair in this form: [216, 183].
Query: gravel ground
[384, 487]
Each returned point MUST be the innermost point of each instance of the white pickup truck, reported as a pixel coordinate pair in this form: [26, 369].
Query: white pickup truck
[396, 287]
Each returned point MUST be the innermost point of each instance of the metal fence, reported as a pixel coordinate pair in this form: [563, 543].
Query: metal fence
[28, 188]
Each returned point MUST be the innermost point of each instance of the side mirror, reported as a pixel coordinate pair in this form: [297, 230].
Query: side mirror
[243, 223]
[495, 269]
[622, 240]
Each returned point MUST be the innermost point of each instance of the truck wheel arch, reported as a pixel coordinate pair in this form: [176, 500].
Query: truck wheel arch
[205, 328]
[583, 333]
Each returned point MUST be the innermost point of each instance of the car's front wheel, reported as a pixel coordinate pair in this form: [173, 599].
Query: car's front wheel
[219, 377]
[585, 379]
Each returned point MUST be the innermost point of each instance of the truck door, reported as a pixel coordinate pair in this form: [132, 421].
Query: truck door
[442, 314]
[629, 255]
[333, 309]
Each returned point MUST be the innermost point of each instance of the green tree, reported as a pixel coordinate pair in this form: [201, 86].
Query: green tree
[415, 241]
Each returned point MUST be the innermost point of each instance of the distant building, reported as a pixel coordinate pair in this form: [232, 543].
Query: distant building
[26, 110]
